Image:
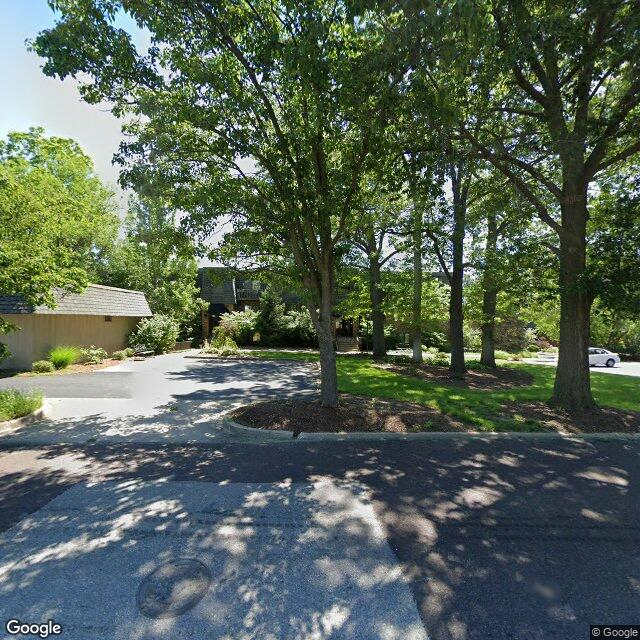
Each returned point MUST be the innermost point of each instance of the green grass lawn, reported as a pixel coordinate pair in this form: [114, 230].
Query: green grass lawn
[15, 404]
[478, 407]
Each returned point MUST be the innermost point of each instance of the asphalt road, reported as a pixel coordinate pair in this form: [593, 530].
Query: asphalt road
[512, 539]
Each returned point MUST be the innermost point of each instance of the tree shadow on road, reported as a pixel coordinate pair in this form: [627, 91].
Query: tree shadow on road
[530, 538]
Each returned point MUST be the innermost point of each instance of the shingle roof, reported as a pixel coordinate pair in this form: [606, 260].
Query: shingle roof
[218, 292]
[95, 300]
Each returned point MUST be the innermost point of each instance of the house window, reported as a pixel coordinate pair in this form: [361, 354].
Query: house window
[107, 318]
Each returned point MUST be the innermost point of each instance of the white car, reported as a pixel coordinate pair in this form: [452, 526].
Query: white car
[603, 357]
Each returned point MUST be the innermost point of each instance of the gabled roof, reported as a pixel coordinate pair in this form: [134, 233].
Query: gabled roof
[236, 287]
[218, 292]
[95, 300]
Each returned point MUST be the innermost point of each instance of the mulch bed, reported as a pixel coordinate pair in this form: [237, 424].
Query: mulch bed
[74, 368]
[499, 378]
[358, 413]
[355, 413]
[599, 420]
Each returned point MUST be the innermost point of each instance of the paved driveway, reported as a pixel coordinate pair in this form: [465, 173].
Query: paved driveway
[177, 397]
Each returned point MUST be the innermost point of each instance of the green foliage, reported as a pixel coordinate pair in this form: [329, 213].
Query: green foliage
[614, 238]
[5, 327]
[298, 330]
[437, 359]
[237, 325]
[93, 355]
[156, 257]
[511, 335]
[15, 404]
[223, 346]
[158, 334]
[270, 320]
[472, 338]
[276, 326]
[42, 366]
[480, 408]
[120, 355]
[615, 331]
[62, 357]
[57, 215]
[435, 340]
[57, 218]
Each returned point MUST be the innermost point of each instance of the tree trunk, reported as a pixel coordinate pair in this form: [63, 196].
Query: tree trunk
[416, 320]
[377, 316]
[322, 320]
[456, 318]
[489, 294]
[572, 388]
[328, 372]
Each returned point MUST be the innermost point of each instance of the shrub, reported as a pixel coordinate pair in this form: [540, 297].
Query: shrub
[270, 321]
[223, 347]
[531, 337]
[512, 335]
[435, 339]
[472, 338]
[42, 366]
[437, 359]
[292, 329]
[93, 355]
[237, 325]
[298, 330]
[64, 356]
[5, 327]
[15, 404]
[158, 334]
[501, 355]
[120, 355]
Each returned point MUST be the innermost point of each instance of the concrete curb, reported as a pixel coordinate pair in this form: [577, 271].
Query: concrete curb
[324, 436]
[8, 426]
[258, 433]
[465, 436]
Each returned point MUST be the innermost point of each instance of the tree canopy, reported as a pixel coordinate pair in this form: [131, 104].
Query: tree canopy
[56, 216]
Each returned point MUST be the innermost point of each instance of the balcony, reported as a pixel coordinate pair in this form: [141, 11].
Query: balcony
[248, 293]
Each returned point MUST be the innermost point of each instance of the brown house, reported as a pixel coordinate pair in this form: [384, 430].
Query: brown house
[242, 292]
[100, 316]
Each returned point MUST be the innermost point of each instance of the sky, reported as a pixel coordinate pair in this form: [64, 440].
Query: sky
[29, 98]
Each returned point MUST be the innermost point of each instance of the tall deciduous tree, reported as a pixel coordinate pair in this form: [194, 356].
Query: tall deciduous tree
[565, 93]
[56, 217]
[267, 113]
[504, 260]
[156, 257]
[383, 216]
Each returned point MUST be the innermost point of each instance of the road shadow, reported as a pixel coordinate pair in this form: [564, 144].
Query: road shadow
[287, 560]
[508, 539]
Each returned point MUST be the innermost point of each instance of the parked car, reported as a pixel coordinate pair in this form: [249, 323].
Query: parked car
[598, 356]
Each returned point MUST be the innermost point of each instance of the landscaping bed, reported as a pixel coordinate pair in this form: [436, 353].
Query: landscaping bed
[475, 378]
[355, 413]
[598, 420]
[16, 404]
[73, 368]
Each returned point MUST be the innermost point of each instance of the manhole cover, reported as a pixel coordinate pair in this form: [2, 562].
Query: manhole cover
[173, 588]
